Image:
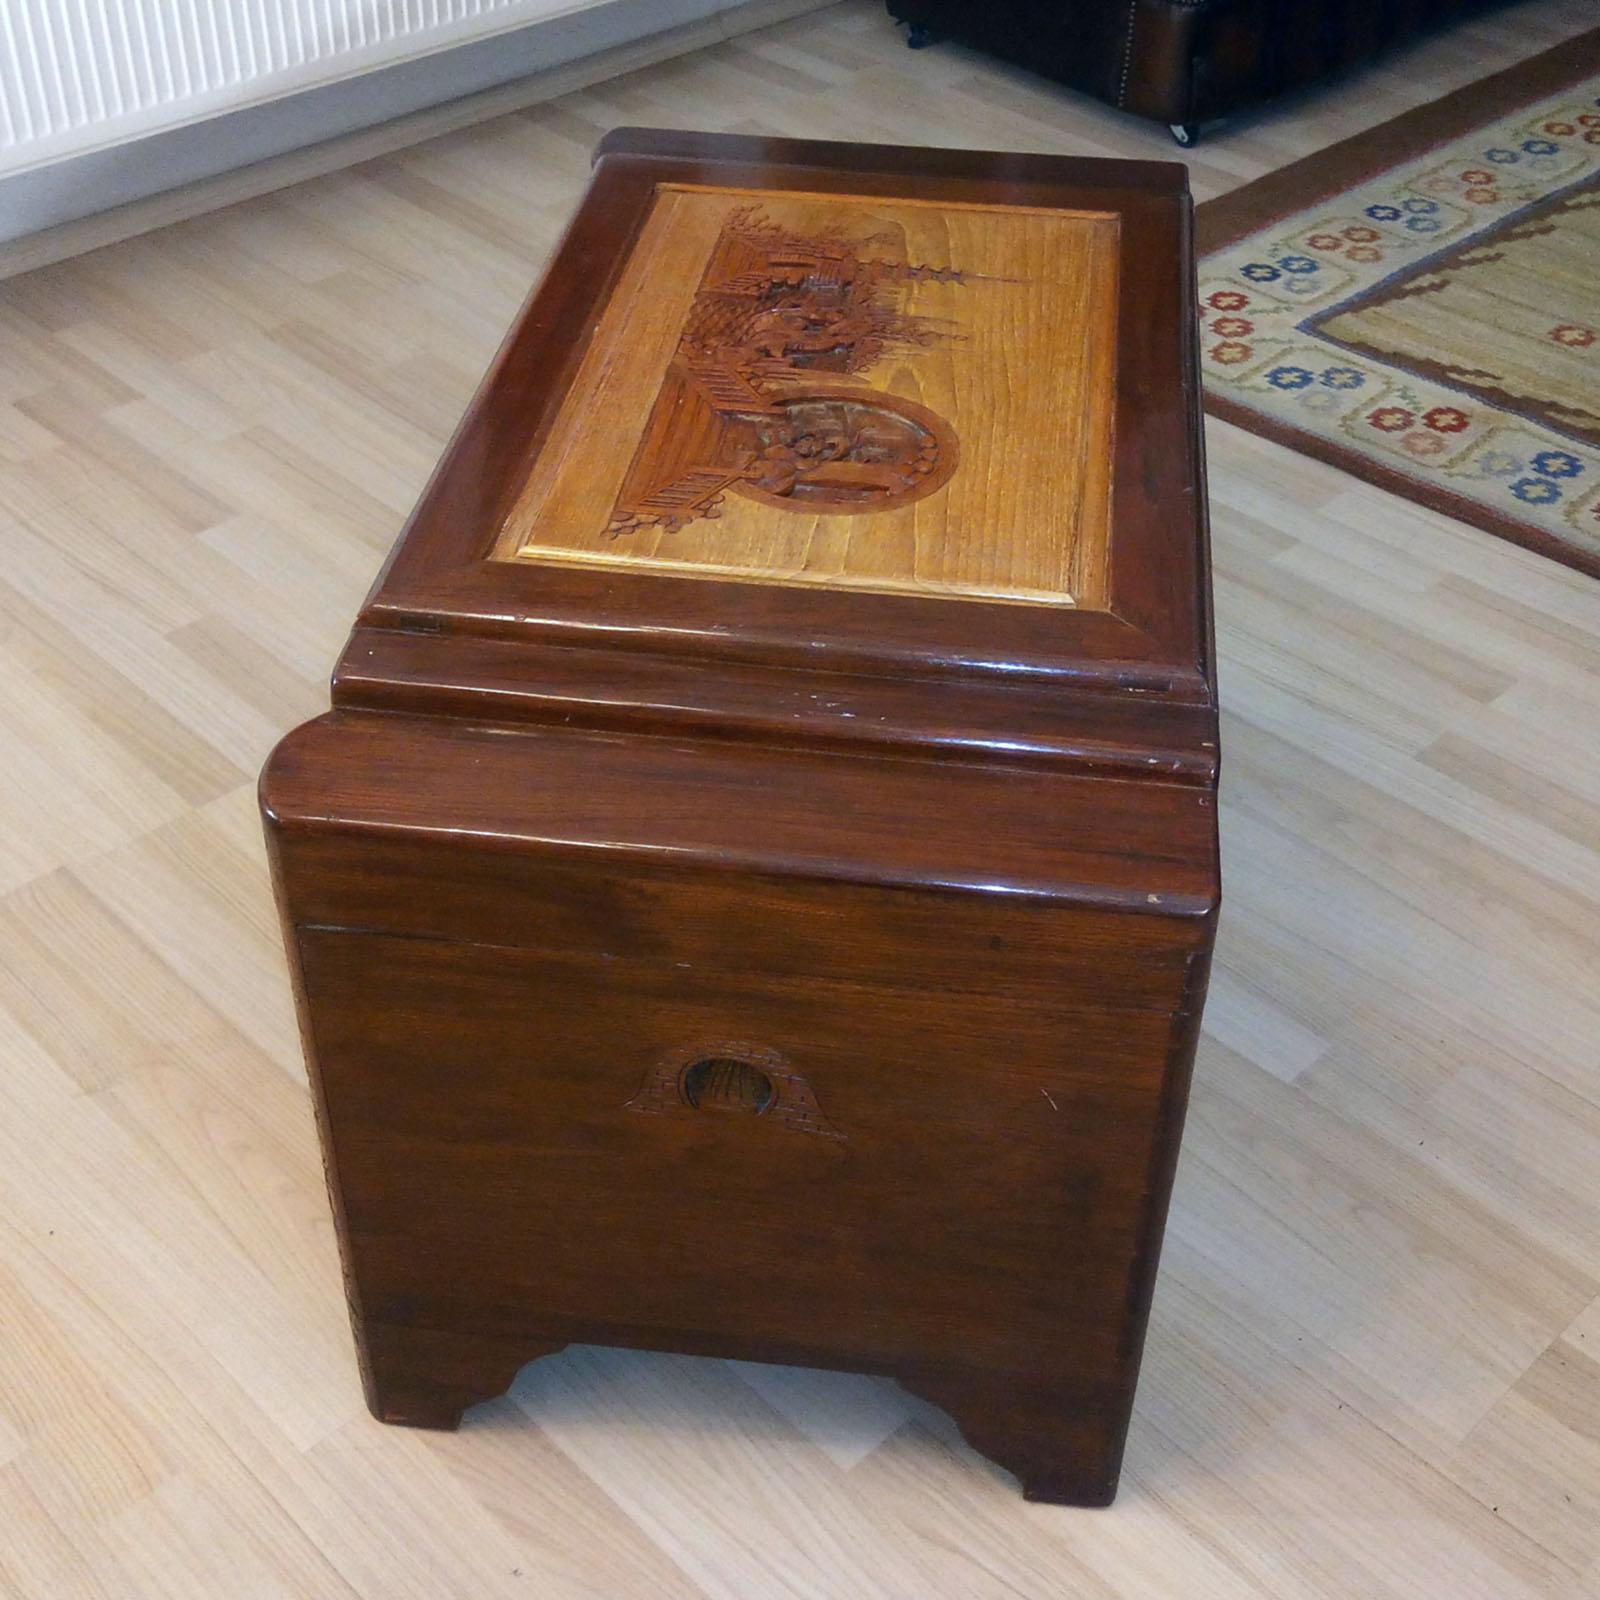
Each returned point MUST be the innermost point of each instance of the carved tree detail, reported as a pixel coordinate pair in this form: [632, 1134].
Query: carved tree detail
[764, 396]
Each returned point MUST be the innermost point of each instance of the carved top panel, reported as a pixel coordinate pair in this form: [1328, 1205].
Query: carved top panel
[843, 391]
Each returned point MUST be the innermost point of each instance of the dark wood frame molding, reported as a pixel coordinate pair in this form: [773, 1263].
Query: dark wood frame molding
[1154, 636]
[566, 828]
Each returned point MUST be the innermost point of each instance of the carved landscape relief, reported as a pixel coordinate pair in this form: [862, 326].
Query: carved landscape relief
[864, 392]
[764, 394]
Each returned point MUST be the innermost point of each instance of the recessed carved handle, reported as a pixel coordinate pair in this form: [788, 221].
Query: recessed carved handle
[722, 1083]
[724, 1076]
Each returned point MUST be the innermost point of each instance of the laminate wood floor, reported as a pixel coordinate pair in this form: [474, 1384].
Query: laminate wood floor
[1374, 1366]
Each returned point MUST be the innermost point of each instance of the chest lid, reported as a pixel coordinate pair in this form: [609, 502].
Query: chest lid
[789, 420]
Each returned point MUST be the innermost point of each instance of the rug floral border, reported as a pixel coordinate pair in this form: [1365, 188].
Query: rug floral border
[1346, 166]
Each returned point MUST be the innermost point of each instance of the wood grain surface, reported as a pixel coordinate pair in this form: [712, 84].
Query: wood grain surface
[1009, 324]
[987, 1226]
[1371, 1365]
[721, 430]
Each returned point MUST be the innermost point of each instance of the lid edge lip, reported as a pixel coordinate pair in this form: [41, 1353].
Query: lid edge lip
[639, 142]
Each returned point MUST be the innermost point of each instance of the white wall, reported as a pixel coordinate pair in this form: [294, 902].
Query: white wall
[107, 102]
[77, 75]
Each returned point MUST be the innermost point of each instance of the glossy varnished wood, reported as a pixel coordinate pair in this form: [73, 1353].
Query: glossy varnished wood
[960, 1184]
[1136, 845]
[1148, 626]
[1369, 1368]
[1000, 1077]
[504, 681]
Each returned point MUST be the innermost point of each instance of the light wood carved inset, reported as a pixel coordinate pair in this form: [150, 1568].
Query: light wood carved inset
[841, 390]
[741, 408]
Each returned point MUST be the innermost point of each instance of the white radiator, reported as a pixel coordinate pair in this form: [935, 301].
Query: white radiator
[77, 75]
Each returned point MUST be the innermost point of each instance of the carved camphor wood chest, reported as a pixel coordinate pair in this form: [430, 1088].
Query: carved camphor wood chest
[754, 890]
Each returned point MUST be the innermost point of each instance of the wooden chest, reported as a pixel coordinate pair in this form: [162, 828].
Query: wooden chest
[754, 890]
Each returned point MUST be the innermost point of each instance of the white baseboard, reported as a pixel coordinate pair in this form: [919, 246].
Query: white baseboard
[86, 201]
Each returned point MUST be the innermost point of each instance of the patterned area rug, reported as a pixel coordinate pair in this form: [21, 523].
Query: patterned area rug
[1420, 305]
